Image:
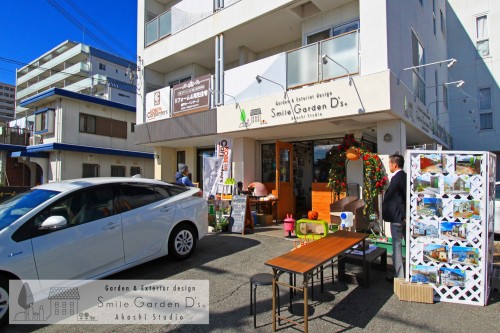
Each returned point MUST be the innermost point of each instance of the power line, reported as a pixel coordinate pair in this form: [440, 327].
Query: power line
[101, 29]
[79, 25]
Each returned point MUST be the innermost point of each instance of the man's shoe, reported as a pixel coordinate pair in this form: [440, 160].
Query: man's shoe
[390, 279]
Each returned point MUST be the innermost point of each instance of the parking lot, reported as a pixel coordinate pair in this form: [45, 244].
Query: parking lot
[228, 261]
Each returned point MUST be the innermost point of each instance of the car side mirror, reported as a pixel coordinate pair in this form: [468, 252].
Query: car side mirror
[54, 223]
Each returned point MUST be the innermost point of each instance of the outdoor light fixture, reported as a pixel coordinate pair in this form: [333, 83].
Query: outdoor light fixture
[213, 91]
[451, 62]
[457, 84]
[259, 79]
[325, 58]
[387, 137]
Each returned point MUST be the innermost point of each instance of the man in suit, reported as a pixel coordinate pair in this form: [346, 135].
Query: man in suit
[394, 211]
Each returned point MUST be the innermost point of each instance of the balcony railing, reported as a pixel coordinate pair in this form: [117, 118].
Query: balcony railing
[15, 135]
[159, 27]
[305, 65]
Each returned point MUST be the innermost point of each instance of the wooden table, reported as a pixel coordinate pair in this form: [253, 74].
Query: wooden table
[308, 258]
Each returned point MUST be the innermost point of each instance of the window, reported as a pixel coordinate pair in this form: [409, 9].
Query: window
[321, 166]
[102, 66]
[174, 82]
[269, 162]
[135, 170]
[418, 73]
[445, 96]
[436, 90]
[485, 118]
[87, 123]
[482, 39]
[44, 121]
[132, 127]
[90, 170]
[41, 122]
[318, 36]
[181, 157]
[484, 99]
[135, 196]
[443, 23]
[345, 28]
[117, 171]
[434, 16]
[486, 121]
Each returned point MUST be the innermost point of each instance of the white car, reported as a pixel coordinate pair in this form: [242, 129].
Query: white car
[497, 208]
[92, 227]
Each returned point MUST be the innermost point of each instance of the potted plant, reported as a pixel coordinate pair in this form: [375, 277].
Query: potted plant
[222, 224]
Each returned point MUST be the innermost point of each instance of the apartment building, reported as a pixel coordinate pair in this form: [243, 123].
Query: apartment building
[77, 104]
[475, 125]
[285, 80]
[7, 102]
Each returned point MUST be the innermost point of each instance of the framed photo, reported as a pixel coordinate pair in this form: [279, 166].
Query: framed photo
[431, 163]
[464, 255]
[452, 277]
[456, 231]
[425, 228]
[456, 185]
[427, 184]
[429, 206]
[424, 274]
[467, 164]
[435, 253]
[467, 209]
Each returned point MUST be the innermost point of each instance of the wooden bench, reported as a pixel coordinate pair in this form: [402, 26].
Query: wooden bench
[358, 260]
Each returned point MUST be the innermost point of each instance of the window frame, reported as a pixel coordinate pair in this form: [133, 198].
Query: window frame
[483, 39]
[486, 112]
[84, 123]
[418, 74]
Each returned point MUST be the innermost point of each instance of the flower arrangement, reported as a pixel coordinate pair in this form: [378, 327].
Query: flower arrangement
[374, 175]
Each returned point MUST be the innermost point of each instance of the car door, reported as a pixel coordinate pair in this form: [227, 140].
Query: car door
[147, 217]
[89, 245]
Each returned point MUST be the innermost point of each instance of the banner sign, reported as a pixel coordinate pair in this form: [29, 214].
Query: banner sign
[212, 167]
[223, 149]
[192, 95]
[163, 302]
[158, 104]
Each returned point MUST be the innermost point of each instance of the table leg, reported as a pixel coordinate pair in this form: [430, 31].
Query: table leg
[365, 269]
[274, 299]
[306, 315]
[291, 289]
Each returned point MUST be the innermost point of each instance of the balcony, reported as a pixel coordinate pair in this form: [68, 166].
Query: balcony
[158, 28]
[15, 135]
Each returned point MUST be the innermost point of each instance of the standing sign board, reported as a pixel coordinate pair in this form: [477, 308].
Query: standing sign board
[191, 95]
[450, 209]
[240, 218]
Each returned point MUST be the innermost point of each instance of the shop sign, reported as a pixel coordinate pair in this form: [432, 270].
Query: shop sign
[158, 104]
[424, 120]
[192, 95]
[223, 149]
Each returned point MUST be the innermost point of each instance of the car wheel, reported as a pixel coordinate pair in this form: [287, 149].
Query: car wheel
[182, 242]
[4, 300]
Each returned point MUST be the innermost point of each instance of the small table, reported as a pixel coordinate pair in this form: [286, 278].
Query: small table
[306, 259]
[269, 204]
[358, 260]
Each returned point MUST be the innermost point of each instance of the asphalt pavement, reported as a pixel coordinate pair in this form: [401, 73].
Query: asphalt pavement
[229, 260]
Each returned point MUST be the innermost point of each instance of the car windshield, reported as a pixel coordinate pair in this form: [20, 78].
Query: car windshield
[21, 204]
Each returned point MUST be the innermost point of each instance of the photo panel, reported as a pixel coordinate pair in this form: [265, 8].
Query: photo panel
[456, 231]
[427, 227]
[435, 253]
[424, 274]
[452, 277]
[468, 164]
[431, 163]
[429, 206]
[456, 184]
[465, 255]
[467, 209]
[428, 184]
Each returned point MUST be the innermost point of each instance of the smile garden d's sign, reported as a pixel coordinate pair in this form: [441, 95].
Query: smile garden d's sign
[311, 105]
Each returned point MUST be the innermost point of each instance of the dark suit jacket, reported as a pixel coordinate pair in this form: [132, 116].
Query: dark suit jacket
[394, 204]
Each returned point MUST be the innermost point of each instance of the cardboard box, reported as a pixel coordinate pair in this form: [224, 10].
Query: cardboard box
[413, 292]
[264, 219]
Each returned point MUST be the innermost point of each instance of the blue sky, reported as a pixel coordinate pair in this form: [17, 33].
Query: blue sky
[32, 27]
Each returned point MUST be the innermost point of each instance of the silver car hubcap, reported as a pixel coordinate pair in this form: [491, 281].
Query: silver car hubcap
[183, 242]
[4, 302]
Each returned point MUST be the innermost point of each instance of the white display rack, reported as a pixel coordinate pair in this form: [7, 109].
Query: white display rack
[450, 209]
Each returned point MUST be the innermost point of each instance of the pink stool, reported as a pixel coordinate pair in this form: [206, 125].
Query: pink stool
[289, 225]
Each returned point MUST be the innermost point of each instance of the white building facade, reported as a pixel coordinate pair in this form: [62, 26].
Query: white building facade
[78, 103]
[476, 124]
[7, 102]
[288, 79]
